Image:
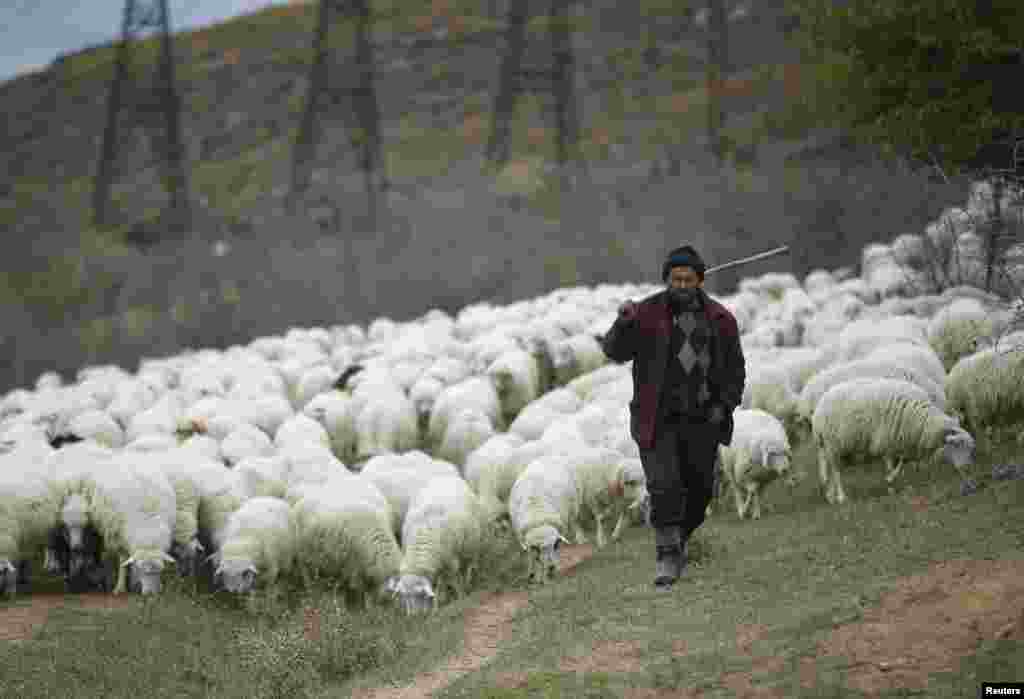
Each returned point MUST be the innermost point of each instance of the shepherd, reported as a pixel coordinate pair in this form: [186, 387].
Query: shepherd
[688, 376]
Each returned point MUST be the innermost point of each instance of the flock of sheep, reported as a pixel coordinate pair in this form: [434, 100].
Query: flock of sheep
[386, 460]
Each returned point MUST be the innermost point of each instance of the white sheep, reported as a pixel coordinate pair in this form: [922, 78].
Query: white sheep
[386, 424]
[400, 476]
[133, 507]
[496, 476]
[494, 449]
[608, 488]
[883, 419]
[758, 454]
[336, 412]
[544, 504]
[468, 429]
[876, 366]
[863, 336]
[537, 416]
[98, 426]
[343, 533]
[955, 330]
[516, 377]
[442, 540]
[921, 358]
[771, 388]
[585, 385]
[576, 356]
[256, 545]
[986, 389]
[301, 429]
[476, 392]
[27, 512]
[244, 441]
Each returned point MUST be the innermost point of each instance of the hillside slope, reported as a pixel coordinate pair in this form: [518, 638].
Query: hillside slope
[451, 235]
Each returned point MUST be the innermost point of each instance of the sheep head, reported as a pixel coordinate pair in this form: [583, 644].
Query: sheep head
[145, 572]
[414, 593]
[958, 448]
[187, 556]
[236, 575]
[8, 577]
[75, 516]
[542, 548]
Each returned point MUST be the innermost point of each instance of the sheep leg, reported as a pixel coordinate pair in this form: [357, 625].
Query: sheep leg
[893, 469]
[838, 494]
[122, 578]
[600, 530]
[738, 497]
[755, 496]
[617, 531]
[823, 474]
[580, 537]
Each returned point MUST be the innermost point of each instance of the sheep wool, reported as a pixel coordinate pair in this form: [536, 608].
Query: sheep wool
[442, 538]
[771, 388]
[605, 487]
[874, 366]
[882, 418]
[758, 454]
[921, 358]
[133, 506]
[27, 512]
[468, 430]
[477, 392]
[956, 329]
[343, 532]
[387, 424]
[540, 414]
[543, 504]
[516, 377]
[258, 545]
[986, 389]
[399, 477]
[495, 449]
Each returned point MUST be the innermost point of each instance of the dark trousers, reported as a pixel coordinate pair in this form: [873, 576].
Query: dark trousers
[680, 472]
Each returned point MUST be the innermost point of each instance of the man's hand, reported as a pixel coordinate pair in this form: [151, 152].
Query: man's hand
[628, 310]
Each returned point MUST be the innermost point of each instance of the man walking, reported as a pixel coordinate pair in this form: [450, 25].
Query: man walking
[688, 376]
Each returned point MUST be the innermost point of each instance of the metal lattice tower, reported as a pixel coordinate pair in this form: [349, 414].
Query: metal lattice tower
[140, 15]
[554, 80]
[357, 98]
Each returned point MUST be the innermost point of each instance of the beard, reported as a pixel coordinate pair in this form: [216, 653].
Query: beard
[684, 299]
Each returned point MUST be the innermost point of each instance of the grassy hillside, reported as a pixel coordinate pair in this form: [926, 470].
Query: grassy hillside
[454, 232]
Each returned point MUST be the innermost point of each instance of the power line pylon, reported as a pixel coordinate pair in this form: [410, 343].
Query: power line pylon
[554, 80]
[140, 15]
[356, 95]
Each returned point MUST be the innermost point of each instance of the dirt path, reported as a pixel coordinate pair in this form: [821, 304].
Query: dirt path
[925, 624]
[27, 614]
[486, 626]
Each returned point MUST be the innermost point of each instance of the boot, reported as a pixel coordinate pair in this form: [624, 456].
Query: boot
[669, 560]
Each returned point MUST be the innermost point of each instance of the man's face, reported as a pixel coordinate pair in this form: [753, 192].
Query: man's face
[684, 278]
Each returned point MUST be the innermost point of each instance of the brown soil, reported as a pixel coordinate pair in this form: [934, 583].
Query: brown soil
[606, 656]
[27, 614]
[927, 622]
[485, 627]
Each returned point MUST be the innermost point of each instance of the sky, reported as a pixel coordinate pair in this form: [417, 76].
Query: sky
[34, 32]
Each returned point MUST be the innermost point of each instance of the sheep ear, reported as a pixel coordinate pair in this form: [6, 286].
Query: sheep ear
[127, 563]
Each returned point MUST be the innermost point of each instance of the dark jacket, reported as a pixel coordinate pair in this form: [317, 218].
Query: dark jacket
[645, 340]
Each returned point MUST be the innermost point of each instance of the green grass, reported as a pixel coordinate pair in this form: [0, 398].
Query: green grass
[800, 571]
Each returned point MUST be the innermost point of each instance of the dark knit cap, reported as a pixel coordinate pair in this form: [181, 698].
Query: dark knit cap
[685, 256]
